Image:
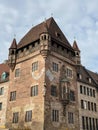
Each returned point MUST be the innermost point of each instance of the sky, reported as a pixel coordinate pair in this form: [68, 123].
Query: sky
[78, 19]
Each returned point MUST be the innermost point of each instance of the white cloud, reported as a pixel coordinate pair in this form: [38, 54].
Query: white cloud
[76, 18]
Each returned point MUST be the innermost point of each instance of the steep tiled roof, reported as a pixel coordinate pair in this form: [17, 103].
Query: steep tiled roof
[14, 44]
[4, 68]
[93, 75]
[49, 26]
[75, 46]
[85, 75]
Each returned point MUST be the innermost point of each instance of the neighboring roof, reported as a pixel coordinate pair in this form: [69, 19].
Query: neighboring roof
[14, 44]
[4, 68]
[85, 75]
[75, 46]
[94, 75]
[49, 26]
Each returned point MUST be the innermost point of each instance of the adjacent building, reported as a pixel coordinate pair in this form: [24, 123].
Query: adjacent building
[4, 86]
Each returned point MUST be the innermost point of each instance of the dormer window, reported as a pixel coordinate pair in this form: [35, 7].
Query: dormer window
[58, 35]
[3, 76]
[89, 79]
[79, 76]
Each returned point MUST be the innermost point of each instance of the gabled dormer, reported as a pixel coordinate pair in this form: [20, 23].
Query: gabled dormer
[12, 54]
[77, 53]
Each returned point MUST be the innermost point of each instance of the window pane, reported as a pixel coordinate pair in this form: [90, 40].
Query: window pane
[2, 91]
[55, 115]
[35, 66]
[28, 116]
[55, 67]
[34, 90]
[53, 90]
[15, 117]
[17, 72]
[13, 96]
[0, 105]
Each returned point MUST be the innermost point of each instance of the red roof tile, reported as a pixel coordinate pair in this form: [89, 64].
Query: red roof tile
[4, 68]
[49, 26]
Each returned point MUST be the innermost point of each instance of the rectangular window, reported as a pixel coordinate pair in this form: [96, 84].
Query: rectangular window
[34, 90]
[81, 89]
[88, 105]
[55, 115]
[72, 95]
[13, 96]
[93, 123]
[87, 125]
[0, 106]
[28, 116]
[53, 90]
[2, 91]
[82, 104]
[17, 72]
[70, 118]
[35, 66]
[84, 90]
[92, 108]
[88, 91]
[83, 122]
[93, 93]
[55, 67]
[15, 117]
[69, 73]
[95, 107]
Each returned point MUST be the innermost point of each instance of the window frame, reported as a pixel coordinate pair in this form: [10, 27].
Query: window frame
[1, 106]
[34, 90]
[55, 67]
[54, 90]
[15, 117]
[1, 90]
[17, 72]
[35, 66]
[55, 115]
[28, 116]
[70, 117]
[13, 96]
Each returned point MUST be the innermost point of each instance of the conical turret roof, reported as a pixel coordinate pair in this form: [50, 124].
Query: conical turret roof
[14, 44]
[75, 46]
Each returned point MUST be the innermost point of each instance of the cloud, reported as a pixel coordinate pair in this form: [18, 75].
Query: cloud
[76, 19]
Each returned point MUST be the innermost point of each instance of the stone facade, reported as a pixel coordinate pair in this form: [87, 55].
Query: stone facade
[45, 79]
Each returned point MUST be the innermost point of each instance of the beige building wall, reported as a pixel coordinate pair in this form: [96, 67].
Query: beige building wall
[3, 100]
[84, 112]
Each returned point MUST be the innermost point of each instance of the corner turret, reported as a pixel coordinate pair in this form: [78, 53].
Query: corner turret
[77, 53]
[12, 54]
[45, 40]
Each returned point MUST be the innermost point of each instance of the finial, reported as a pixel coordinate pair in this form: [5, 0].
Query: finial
[14, 35]
[74, 38]
[51, 14]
